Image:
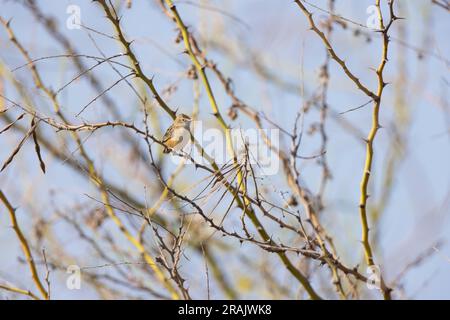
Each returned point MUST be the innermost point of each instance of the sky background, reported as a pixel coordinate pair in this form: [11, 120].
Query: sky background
[276, 31]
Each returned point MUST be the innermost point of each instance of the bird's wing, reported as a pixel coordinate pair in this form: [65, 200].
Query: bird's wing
[168, 134]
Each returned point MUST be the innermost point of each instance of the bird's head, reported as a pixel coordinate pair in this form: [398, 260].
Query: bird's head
[183, 119]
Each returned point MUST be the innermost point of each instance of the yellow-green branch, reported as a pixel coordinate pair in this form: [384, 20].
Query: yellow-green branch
[376, 97]
[95, 178]
[246, 205]
[370, 141]
[25, 248]
[20, 291]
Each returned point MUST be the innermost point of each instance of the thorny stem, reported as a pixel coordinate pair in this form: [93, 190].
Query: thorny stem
[137, 68]
[240, 191]
[26, 250]
[333, 54]
[311, 214]
[326, 175]
[376, 97]
[113, 189]
[371, 138]
[95, 178]
[246, 205]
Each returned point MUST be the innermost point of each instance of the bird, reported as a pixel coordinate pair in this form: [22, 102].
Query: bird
[178, 134]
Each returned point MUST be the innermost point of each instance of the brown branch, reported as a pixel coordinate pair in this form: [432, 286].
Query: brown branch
[333, 53]
[19, 146]
[245, 203]
[110, 14]
[442, 3]
[20, 291]
[37, 148]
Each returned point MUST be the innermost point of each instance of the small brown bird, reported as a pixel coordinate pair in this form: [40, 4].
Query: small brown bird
[178, 134]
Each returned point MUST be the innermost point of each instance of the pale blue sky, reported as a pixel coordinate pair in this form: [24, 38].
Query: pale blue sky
[417, 214]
